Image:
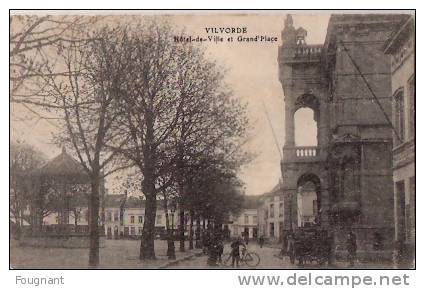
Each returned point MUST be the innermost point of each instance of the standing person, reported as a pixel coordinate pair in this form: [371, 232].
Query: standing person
[246, 237]
[261, 241]
[220, 249]
[235, 251]
[351, 247]
[205, 242]
[212, 251]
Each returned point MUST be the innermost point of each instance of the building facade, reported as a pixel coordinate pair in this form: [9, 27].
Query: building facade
[245, 223]
[120, 217]
[124, 217]
[346, 82]
[271, 214]
[401, 48]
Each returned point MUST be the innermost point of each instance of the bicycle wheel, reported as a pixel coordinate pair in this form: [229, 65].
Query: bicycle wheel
[227, 260]
[251, 259]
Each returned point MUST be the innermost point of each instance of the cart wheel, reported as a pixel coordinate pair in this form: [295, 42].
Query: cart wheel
[252, 259]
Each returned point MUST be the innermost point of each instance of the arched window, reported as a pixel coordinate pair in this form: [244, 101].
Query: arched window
[399, 115]
[305, 127]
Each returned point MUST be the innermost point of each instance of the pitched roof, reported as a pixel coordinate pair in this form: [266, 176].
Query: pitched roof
[63, 166]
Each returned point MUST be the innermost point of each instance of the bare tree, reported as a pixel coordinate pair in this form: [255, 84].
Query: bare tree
[84, 96]
[175, 106]
[31, 36]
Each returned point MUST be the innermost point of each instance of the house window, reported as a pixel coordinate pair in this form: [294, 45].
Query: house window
[116, 217]
[132, 231]
[399, 116]
[140, 230]
[412, 99]
[271, 211]
[140, 219]
[280, 209]
[159, 219]
[109, 216]
[246, 219]
[132, 219]
[254, 219]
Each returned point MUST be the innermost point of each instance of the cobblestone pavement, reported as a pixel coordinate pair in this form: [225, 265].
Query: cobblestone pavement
[123, 254]
[270, 260]
[117, 254]
[268, 256]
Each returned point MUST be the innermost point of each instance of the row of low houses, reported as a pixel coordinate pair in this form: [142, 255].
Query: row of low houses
[120, 216]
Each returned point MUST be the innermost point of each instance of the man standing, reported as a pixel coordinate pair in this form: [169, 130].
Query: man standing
[261, 241]
[235, 251]
[246, 237]
[351, 247]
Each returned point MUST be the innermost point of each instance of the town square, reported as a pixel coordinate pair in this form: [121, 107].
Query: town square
[173, 141]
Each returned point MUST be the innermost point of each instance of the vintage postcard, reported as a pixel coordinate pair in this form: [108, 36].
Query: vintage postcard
[212, 140]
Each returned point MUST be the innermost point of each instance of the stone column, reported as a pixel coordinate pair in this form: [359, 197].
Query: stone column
[289, 122]
[323, 125]
[290, 209]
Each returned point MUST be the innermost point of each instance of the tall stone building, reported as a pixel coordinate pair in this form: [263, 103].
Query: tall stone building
[346, 82]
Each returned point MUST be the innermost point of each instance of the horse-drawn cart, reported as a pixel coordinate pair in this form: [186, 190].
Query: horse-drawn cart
[309, 245]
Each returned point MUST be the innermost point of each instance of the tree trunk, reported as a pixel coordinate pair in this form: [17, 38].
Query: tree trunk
[147, 246]
[171, 250]
[94, 222]
[191, 230]
[198, 233]
[182, 225]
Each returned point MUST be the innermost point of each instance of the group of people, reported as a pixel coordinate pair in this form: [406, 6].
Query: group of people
[214, 248]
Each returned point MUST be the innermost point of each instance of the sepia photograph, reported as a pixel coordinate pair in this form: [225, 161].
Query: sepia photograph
[188, 139]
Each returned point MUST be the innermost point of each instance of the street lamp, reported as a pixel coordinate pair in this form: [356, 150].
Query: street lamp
[171, 248]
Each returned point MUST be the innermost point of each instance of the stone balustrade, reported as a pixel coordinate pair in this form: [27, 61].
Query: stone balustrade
[308, 50]
[305, 152]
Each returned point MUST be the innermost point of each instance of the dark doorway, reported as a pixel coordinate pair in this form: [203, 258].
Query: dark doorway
[272, 230]
[401, 211]
[254, 233]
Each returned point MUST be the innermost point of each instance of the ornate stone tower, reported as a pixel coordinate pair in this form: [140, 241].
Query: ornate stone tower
[301, 76]
[346, 83]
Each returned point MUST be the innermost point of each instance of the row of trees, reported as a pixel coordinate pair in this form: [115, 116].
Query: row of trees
[128, 96]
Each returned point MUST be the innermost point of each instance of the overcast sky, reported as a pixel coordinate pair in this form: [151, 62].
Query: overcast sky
[253, 75]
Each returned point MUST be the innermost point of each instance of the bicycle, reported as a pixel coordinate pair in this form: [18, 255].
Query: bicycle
[251, 259]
